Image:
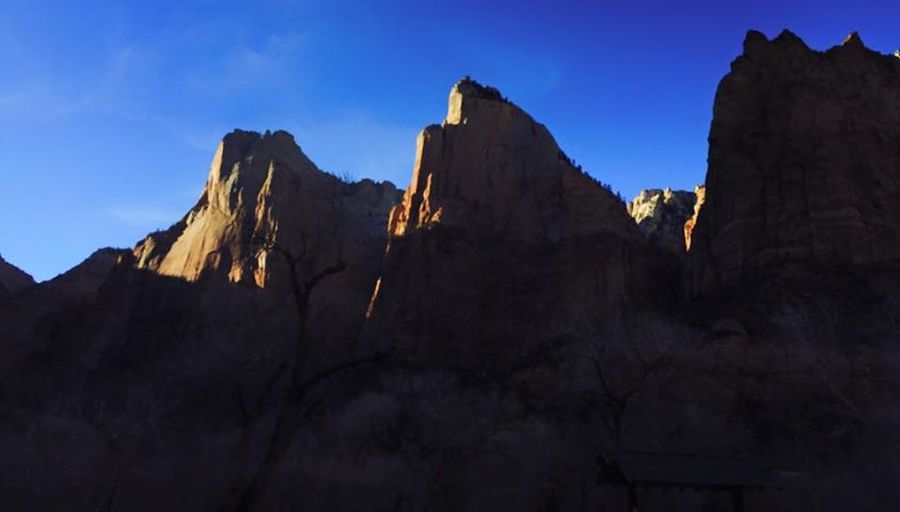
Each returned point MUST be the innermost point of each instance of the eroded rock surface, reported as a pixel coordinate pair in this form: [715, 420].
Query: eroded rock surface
[699, 199]
[661, 214]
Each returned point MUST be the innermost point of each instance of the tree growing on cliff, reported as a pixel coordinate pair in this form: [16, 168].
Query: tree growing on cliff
[316, 256]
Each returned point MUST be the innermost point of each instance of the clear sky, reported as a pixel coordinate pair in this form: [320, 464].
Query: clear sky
[111, 111]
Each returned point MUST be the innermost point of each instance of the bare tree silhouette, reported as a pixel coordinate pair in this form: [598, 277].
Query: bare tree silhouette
[318, 257]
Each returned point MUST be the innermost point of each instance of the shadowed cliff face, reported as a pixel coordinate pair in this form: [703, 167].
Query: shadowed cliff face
[804, 163]
[500, 241]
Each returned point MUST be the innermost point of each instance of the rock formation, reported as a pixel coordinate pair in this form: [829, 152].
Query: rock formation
[804, 163]
[12, 278]
[265, 202]
[699, 199]
[500, 239]
[661, 214]
[521, 302]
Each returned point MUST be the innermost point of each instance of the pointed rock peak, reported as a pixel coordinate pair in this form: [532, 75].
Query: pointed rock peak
[853, 40]
[753, 40]
[786, 37]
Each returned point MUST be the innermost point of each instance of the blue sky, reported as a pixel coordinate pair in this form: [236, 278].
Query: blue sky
[110, 111]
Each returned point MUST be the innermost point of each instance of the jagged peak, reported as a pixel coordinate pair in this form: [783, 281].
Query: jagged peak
[753, 40]
[786, 37]
[755, 43]
[853, 39]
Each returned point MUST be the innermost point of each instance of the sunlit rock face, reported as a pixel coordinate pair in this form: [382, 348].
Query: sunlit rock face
[804, 163]
[493, 170]
[660, 215]
[500, 239]
[699, 199]
[12, 278]
[262, 190]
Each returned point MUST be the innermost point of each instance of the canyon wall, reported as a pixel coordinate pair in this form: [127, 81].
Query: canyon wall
[804, 164]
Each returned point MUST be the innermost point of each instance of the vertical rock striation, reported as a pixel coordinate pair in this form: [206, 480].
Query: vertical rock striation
[699, 199]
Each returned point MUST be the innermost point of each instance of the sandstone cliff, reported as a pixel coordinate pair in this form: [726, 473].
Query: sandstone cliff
[490, 169]
[804, 163]
[265, 202]
[12, 278]
[500, 239]
[699, 199]
[661, 214]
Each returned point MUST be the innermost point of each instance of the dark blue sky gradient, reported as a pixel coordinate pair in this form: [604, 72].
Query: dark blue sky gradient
[109, 114]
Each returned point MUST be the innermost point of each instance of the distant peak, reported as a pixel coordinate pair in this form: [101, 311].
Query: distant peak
[470, 88]
[853, 40]
[754, 39]
[788, 37]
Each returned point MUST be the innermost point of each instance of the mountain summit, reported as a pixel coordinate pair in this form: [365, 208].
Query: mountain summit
[495, 205]
[263, 189]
